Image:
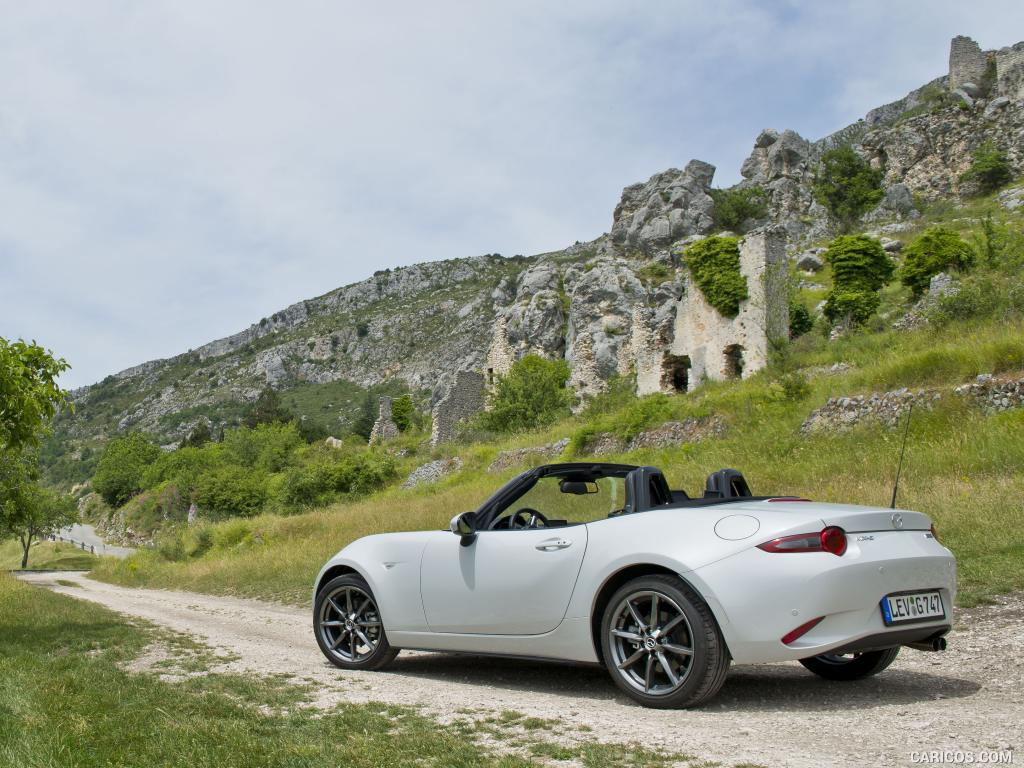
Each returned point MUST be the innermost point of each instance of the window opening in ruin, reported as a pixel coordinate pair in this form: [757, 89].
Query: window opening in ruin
[676, 372]
[490, 376]
[733, 361]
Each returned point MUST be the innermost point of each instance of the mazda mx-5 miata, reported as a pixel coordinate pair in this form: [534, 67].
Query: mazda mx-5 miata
[603, 563]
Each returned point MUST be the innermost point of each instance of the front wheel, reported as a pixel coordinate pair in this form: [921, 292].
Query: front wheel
[348, 626]
[851, 666]
[662, 645]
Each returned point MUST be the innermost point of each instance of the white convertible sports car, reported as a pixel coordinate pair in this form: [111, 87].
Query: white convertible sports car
[603, 563]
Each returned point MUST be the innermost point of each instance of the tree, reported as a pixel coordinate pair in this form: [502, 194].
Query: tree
[860, 268]
[267, 409]
[847, 186]
[532, 394]
[28, 512]
[199, 436]
[735, 207]
[989, 169]
[121, 469]
[363, 425]
[403, 412]
[936, 250]
[29, 394]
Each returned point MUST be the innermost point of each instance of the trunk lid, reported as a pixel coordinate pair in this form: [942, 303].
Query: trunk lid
[854, 518]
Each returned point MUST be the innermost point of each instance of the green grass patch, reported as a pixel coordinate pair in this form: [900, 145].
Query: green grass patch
[46, 556]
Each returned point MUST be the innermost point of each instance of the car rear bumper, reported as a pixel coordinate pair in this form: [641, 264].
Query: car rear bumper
[759, 597]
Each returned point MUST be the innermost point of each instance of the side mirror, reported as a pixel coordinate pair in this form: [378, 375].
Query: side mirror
[462, 524]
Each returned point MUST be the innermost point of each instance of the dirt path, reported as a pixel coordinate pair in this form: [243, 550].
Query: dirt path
[970, 698]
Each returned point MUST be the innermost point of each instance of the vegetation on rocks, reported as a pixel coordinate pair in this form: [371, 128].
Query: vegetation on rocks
[989, 169]
[847, 186]
[735, 207]
[715, 265]
[935, 250]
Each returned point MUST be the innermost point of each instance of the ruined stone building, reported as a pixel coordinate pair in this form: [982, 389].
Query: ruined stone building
[702, 344]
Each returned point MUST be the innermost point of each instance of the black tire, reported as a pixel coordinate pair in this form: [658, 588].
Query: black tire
[699, 675]
[853, 666]
[347, 642]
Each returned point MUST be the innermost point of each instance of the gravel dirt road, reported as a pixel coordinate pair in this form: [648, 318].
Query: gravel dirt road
[970, 698]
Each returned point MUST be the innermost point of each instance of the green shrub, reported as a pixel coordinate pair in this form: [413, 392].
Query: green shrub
[936, 250]
[268, 447]
[989, 169]
[734, 207]
[327, 477]
[308, 485]
[403, 412]
[182, 467]
[151, 509]
[847, 186]
[119, 472]
[989, 295]
[230, 491]
[800, 320]
[715, 265]
[532, 394]
[860, 268]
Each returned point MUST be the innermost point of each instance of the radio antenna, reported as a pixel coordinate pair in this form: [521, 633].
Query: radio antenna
[903, 448]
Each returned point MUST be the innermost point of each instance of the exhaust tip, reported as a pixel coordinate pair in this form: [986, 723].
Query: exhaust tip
[934, 645]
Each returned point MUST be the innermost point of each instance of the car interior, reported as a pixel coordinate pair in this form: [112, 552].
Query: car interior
[573, 494]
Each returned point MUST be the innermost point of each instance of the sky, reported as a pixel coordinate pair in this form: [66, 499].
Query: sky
[171, 172]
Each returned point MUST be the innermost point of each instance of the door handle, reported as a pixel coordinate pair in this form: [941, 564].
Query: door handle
[553, 545]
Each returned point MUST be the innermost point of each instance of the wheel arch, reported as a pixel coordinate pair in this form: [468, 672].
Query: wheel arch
[628, 573]
[332, 572]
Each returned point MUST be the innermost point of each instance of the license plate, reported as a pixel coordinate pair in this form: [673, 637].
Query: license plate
[912, 606]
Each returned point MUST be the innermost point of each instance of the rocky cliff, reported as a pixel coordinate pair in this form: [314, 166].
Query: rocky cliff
[414, 327]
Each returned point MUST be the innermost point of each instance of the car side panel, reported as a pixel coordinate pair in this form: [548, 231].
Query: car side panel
[390, 563]
[570, 641]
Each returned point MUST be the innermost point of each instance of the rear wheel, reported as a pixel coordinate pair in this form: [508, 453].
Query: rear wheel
[348, 627]
[661, 644]
[851, 666]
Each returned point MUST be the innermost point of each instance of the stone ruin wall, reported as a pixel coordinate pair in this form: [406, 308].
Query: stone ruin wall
[464, 399]
[1010, 71]
[500, 355]
[384, 428]
[967, 62]
[708, 346]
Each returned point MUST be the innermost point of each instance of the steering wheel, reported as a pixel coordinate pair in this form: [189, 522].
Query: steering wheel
[527, 518]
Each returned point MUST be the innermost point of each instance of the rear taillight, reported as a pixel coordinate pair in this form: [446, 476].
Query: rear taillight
[800, 631]
[831, 539]
[935, 534]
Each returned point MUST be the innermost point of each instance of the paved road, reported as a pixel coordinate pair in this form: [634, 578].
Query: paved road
[969, 698]
[86, 534]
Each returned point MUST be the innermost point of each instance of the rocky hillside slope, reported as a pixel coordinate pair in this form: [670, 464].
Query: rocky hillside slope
[411, 328]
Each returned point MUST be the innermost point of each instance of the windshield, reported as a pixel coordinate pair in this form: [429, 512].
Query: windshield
[574, 502]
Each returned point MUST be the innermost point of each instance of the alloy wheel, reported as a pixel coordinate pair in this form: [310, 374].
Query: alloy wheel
[651, 643]
[349, 624]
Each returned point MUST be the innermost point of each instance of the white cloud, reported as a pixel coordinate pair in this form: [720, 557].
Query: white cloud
[172, 172]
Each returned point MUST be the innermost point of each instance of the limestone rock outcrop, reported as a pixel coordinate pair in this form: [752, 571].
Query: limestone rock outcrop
[667, 207]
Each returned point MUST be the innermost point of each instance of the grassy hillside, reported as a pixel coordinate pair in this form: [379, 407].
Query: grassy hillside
[963, 466]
